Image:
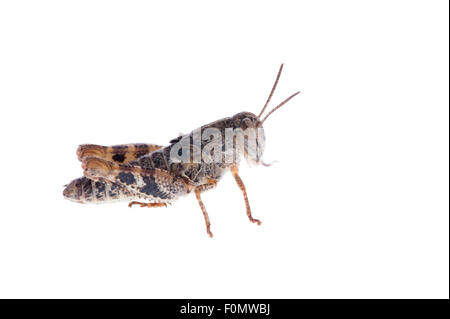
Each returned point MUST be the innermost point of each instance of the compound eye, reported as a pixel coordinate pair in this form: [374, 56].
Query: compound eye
[246, 123]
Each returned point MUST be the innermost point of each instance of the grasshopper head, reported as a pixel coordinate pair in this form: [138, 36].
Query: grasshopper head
[249, 121]
[250, 136]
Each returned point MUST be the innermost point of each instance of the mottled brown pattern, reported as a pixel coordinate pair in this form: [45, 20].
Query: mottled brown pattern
[123, 153]
[153, 184]
[81, 189]
[130, 171]
[86, 190]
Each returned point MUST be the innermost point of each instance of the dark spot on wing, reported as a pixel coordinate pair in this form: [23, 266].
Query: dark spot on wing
[118, 158]
[126, 178]
[151, 188]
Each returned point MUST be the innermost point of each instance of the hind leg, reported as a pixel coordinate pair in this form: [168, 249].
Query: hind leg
[205, 213]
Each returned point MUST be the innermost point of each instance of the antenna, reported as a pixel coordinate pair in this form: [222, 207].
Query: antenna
[270, 96]
[277, 107]
[273, 90]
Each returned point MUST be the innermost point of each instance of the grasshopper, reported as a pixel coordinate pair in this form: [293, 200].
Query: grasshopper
[159, 175]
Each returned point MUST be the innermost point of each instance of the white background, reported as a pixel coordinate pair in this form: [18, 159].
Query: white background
[357, 205]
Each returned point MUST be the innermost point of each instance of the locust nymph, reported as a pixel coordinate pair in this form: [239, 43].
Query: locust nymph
[191, 163]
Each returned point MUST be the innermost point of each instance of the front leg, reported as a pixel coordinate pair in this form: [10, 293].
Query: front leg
[235, 171]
